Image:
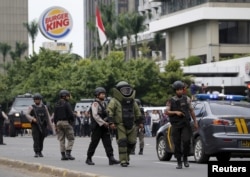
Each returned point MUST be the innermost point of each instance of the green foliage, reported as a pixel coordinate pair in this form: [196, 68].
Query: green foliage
[48, 72]
[192, 60]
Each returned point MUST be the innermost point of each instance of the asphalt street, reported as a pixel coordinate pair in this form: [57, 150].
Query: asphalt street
[20, 151]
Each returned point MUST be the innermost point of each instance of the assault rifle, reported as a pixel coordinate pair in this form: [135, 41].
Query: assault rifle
[38, 120]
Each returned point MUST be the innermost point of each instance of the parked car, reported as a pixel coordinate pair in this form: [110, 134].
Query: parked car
[224, 130]
[18, 120]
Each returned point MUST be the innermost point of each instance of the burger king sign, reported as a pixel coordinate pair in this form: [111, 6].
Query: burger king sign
[55, 23]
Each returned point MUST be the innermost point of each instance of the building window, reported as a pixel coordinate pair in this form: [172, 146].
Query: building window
[234, 32]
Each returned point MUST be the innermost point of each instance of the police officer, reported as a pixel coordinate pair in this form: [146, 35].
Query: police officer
[140, 130]
[179, 111]
[63, 119]
[100, 128]
[3, 117]
[124, 114]
[39, 117]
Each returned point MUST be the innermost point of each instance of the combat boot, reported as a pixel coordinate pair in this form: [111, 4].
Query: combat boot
[36, 154]
[185, 161]
[179, 164]
[40, 154]
[141, 151]
[64, 157]
[69, 156]
[89, 161]
[113, 161]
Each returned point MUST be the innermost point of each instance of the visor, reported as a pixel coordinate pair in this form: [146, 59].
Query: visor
[126, 91]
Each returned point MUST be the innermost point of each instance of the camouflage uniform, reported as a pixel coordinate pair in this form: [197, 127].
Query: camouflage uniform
[63, 119]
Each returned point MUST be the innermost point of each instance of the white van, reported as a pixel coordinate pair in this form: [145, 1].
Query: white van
[158, 108]
[83, 105]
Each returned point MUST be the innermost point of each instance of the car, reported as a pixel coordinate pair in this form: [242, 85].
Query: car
[18, 120]
[224, 130]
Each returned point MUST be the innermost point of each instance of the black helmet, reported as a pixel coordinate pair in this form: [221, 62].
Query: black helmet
[64, 93]
[125, 89]
[99, 90]
[37, 96]
[178, 85]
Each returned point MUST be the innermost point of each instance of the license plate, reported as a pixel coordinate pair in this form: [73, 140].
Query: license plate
[26, 125]
[245, 143]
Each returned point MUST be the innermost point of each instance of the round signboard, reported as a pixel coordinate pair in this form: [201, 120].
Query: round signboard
[55, 23]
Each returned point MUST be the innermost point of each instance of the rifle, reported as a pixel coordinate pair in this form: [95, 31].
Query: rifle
[38, 120]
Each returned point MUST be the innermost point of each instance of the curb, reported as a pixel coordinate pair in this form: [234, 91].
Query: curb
[40, 168]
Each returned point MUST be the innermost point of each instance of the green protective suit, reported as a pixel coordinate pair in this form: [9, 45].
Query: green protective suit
[126, 138]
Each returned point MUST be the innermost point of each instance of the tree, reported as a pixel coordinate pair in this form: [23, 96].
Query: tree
[20, 49]
[32, 29]
[4, 49]
[192, 60]
[137, 26]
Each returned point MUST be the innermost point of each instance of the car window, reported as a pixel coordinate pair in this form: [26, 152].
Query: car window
[23, 102]
[199, 110]
[218, 109]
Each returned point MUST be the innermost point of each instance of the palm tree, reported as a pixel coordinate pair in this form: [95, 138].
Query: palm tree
[4, 49]
[137, 25]
[157, 41]
[32, 29]
[20, 48]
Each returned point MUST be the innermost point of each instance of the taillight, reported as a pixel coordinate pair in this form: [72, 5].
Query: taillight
[221, 122]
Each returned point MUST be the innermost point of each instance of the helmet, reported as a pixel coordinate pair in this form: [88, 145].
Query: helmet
[64, 93]
[124, 88]
[37, 96]
[178, 85]
[99, 90]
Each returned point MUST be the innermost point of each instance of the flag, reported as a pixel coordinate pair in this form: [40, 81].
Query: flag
[100, 27]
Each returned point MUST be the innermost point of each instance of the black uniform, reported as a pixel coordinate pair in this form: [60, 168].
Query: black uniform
[100, 132]
[39, 129]
[181, 129]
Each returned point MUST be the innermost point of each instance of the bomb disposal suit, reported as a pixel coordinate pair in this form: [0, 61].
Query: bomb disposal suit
[124, 113]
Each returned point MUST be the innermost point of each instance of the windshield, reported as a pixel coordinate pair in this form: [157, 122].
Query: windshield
[218, 109]
[23, 102]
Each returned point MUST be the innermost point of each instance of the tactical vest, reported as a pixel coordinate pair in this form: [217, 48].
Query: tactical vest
[128, 112]
[41, 113]
[101, 112]
[181, 105]
[60, 110]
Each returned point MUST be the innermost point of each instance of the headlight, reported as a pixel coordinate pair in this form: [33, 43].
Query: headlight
[17, 114]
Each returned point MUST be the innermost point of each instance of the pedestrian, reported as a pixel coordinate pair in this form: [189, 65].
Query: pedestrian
[3, 117]
[100, 128]
[124, 114]
[147, 124]
[155, 122]
[77, 124]
[179, 110]
[64, 119]
[87, 122]
[140, 131]
[39, 117]
[193, 90]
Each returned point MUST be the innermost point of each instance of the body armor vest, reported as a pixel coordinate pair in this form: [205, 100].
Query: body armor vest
[60, 110]
[128, 112]
[181, 105]
[101, 112]
[41, 113]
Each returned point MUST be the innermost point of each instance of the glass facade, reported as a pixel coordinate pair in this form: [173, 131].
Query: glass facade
[170, 6]
[234, 32]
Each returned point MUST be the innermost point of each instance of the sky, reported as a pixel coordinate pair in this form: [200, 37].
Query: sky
[74, 7]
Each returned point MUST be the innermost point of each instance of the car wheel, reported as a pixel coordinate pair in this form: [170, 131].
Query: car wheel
[199, 151]
[162, 153]
[223, 157]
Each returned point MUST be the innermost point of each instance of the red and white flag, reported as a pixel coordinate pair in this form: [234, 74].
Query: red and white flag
[100, 27]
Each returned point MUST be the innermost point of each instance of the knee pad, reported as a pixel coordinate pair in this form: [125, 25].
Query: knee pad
[122, 142]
